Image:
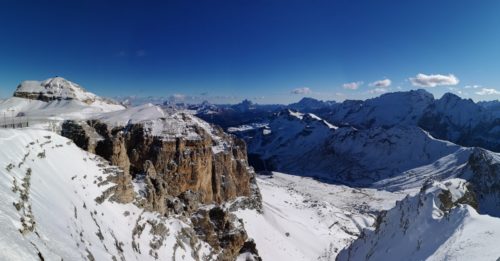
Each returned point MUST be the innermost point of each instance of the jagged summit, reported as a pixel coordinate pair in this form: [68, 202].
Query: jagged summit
[244, 105]
[56, 88]
[308, 104]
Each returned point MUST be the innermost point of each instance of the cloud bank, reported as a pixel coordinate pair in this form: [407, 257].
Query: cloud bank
[378, 90]
[488, 91]
[433, 80]
[381, 83]
[352, 85]
[302, 90]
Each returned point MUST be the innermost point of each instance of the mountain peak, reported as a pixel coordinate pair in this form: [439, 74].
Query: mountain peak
[450, 96]
[308, 99]
[56, 88]
[421, 93]
[308, 104]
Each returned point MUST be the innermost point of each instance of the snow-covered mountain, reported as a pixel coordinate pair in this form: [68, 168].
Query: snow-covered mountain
[56, 88]
[306, 145]
[54, 99]
[379, 144]
[439, 223]
[307, 104]
[462, 121]
[151, 185]
[450, 117]
[245, 112]
[387, 110]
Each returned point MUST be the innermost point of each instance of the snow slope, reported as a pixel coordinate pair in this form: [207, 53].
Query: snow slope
[304, 219]
[71, 109]
[437, 224]
[52, 100]
[49, 209]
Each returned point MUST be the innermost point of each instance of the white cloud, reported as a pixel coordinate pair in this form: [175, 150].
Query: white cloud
[453, 89]
[475, 86]
[177, 97]
[302, 90]
[381, 83]
[378, 91]
[433, 80]
[486, 91]
[352, 85]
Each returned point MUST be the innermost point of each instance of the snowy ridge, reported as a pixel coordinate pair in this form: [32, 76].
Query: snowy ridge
[387, 110]
[437, 224]
[385, 158]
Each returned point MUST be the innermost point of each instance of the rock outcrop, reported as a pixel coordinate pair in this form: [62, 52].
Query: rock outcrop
[483, 174]
[169, 166]
[221, 229]
[178, 175]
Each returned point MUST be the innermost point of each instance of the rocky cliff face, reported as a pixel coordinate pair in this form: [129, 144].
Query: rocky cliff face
[172, 166]
[483, 173]
[176, 175]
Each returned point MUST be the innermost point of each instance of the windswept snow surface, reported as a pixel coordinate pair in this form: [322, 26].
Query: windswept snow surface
[48, 188]
[305, 219]
[53, 100]
[71, 109]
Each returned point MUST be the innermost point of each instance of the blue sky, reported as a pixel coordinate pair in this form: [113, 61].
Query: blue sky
[271, 51]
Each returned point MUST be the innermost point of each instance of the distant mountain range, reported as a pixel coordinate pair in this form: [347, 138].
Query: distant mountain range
[451, 118]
